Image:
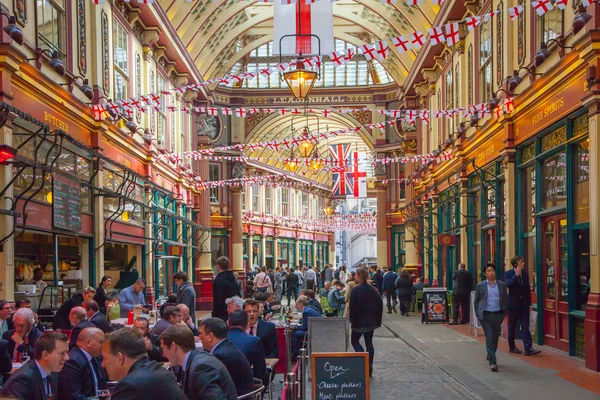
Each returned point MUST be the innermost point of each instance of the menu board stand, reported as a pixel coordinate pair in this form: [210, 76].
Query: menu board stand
[435, 305]
[66, 203]
[340, 376]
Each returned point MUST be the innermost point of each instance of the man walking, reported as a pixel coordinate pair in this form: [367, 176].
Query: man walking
[463, 284]
[519, 305]
[389, 288]
[224, 286]
[311, 277]
[491, 306]
[185, 292]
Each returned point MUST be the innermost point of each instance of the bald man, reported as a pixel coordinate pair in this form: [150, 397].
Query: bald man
[78, 318]
[82, 374]
[187, 319]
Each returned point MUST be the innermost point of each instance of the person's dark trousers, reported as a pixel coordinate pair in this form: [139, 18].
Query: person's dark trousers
[463, 303]
[297, 338]
[491, 324]
[292, 291]
[391, 301]
[355, 340]
[518, 317]
[310, 284]
[404, 305]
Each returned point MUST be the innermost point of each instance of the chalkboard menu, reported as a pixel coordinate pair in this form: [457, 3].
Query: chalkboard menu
[340, 376]
[435, 304]
[66, 203]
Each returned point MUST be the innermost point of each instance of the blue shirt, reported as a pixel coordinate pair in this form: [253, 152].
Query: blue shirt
[128, 299]
[493, 298]
[185, 360]
[44, 376]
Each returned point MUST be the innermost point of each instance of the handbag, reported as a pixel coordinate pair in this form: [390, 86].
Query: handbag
[533, 321]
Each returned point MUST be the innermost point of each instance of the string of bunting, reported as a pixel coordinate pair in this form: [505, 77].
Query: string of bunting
[274, 180]
[448, 34]
[315, 224]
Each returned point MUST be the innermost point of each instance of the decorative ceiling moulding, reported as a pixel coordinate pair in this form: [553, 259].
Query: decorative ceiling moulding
[325, 100]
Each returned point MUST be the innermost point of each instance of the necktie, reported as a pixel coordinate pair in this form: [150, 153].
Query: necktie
[48, 386]
[251, 330]
[95, 373]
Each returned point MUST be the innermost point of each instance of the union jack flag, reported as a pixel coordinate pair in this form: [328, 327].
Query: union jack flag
[339, 158]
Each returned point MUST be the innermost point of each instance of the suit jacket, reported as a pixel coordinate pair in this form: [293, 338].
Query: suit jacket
[519, 294]
[267, 332]
[156, 353]
[5, 358]
[187, 295]
[27, 383]
[237, 365]
[252, 348]
[315, 303]
[224, 286]
[389, 282]
[463, 283]
[481, 293]
[100, 321]
[148, 379]
[76, 381]
[206, 378]
[61, 318]
[34, 334]
[292, 280]
[77, 330]
[308, 312]
[378, 280]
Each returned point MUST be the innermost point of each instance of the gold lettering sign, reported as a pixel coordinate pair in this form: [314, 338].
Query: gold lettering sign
[56, 122]
[547, 111]
[550, 305]
[123, 161]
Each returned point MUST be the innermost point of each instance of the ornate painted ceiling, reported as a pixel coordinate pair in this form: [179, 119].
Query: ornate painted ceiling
[217, 34]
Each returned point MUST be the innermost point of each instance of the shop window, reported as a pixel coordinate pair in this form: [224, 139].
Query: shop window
[121, 62]
[305, 205]
[485, 62]
[449, 104]
[554, 182]
[582, 252]
[550, 25]
[255, 197]
[162, 114]
[528, 198]
[268, 200]
[582, 181]
[269, 248]
[51, 25]
[214, 176]
[293, 204]
[491, 202]
[245, 189]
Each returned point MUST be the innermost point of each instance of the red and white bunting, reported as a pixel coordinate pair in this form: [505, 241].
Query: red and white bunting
[417, 39]
[561, 4]
[337, 58]
[401, 43]
[382, 50]
[472, 22]
[414, 2]
[368, 51]
[452, 33]
[514, 12]
[541, 7]
[436, 35]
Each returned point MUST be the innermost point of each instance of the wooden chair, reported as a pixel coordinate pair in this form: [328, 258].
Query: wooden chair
[253, 395]
[418, 303]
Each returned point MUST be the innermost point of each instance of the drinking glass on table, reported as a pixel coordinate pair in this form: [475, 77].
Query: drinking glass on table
[24, 357]
[103, 394]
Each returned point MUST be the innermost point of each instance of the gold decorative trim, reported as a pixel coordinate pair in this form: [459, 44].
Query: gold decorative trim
[581, 125]
[555, 138]
[311, 100]
[528, 153]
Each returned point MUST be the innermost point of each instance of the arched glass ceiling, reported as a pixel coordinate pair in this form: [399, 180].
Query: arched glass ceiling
[357, 72]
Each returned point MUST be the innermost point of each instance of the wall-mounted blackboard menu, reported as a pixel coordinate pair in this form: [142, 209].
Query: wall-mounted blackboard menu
[66, 203]
[340, 376]
[435, 304]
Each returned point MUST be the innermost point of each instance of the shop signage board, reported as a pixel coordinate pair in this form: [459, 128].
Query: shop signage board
[340, 376]
[66, 203]
[435, 305]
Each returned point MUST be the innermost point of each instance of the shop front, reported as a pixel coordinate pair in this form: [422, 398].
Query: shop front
[553, 229]
[286, 252]
[448, 235]
[322, 254]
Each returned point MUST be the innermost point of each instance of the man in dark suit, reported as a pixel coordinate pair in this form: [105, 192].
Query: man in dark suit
[152, 342]
[224, 286]
[203, 376]
[125, 360]
[292, 282]
[5, 359]
[463, 284]
[185, 292]
[78, 318]
[312, 301]
[213, 333]
[22, 339]
[307, 312]
[61, 318]
[82, 375]
[491, 307]
[264, 330]
[389, 288]
[251, 346]
[519, 305]
[36, 379]
[93, 314]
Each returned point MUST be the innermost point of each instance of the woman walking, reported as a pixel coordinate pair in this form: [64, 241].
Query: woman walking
[278, 285]
[404, 291]
[349, 286]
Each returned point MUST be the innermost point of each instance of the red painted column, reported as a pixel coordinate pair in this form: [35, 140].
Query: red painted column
[203, 270]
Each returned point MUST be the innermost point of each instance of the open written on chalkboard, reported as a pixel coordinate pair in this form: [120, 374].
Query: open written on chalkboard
[66, 203]
[338, 376]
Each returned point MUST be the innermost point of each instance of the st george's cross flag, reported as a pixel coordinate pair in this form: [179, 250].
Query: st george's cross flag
[305, 19]
[356, 175]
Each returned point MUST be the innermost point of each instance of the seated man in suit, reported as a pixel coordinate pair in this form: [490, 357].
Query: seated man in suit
[251, 346]
[125, 360]
[187, 319]
[22, 339]
[61, 318]
[5, 360]
[82, 375]
[213, 334]
[25, 303]
[307, 312]
[171, 316]
[78, 318]
[204, 377]
[312, 301]
[152, 342]
[93, 314]
[266, 331]
[36, 379]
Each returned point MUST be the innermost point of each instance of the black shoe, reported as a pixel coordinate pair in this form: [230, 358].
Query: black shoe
[452, 323]
[514, 350]
[463, 323]
[389, 311]
[487, 358]
[406, 315]
[395, 311]
[532, 352]
[494, 368]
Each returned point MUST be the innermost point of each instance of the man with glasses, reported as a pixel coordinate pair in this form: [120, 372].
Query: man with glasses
[25, 303]
[5, 310]
[22, 339]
